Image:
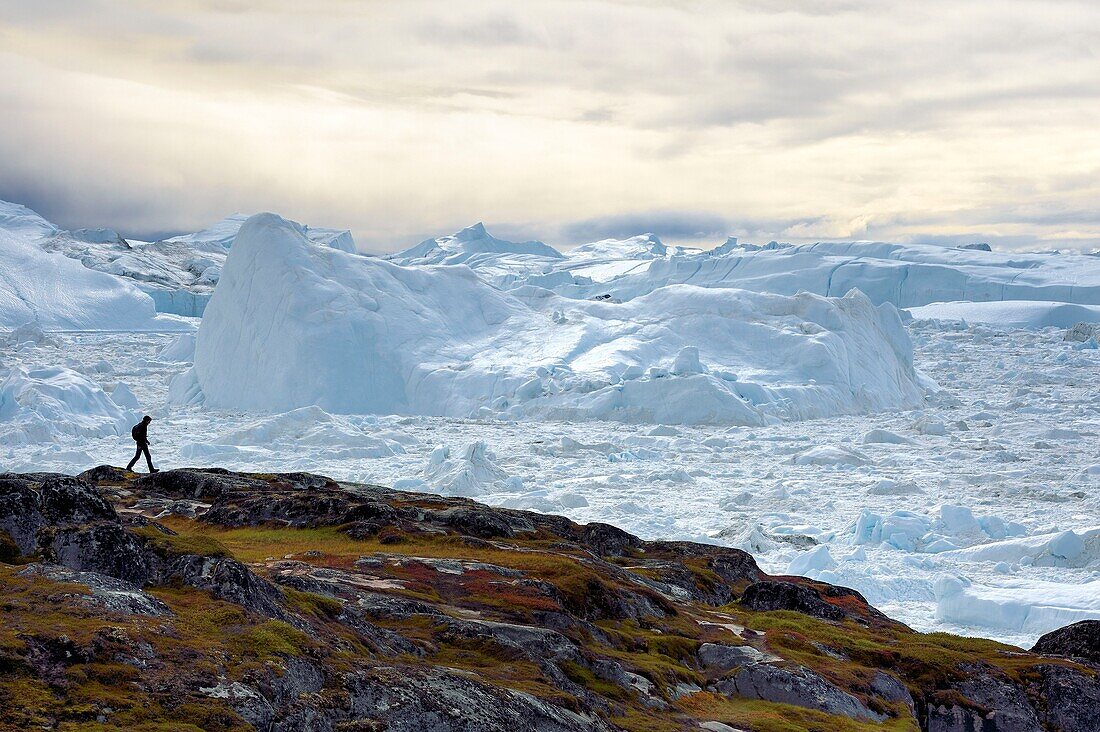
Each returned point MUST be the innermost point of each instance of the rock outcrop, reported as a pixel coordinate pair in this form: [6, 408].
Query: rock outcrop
[1079, 640]
[205, 599]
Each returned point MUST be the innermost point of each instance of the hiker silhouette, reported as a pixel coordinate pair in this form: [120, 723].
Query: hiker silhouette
[140, 433]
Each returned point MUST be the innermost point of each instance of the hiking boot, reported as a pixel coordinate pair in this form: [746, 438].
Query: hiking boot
[154, 470]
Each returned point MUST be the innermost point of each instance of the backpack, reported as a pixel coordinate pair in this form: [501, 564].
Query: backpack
[134, 432]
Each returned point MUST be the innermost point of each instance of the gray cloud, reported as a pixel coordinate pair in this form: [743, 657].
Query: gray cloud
[818, 119]
[494, 30]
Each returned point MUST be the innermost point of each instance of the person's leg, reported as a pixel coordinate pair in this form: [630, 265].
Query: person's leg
[135, 458]
[148, 458]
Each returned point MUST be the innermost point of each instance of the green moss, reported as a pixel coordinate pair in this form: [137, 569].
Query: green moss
[174, 545]
[480, 654]
[645, 720]
[272, 638]
[673, 646]
[26, 703]
[583, 677]
[762, 716]
[207, 717]
[310, 604]
[924, 660]
[139, 727]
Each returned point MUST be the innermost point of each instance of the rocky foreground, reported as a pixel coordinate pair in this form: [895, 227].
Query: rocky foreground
[209, 600]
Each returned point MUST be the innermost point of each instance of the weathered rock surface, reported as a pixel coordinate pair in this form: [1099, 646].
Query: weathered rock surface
[1068, 699]
[809, 598]
[436, 700]
[1079, 640]
[723, 657]
[985, 701]
[104, 591]
[798, 686]
[290, 602]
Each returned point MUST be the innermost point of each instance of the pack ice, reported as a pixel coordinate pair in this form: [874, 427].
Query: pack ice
[292, 324]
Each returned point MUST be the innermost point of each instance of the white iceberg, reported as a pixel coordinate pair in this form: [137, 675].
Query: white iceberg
[45, 404]
[293, 325]
[53, 292]
[1017, 606]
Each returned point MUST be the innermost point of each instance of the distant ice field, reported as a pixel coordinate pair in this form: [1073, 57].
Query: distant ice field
[977, 514]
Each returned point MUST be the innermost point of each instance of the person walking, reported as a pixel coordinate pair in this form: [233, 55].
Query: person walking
[140, 433]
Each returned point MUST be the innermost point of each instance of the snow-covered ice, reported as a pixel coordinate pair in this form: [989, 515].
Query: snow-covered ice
[1012, 313]
[1017, 607]
[38, 403]
[905, 275]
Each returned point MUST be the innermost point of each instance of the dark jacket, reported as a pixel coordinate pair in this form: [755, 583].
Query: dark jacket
[140, 433]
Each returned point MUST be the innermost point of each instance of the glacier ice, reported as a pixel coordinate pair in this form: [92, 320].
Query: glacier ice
[908, 275]
[1016, 605]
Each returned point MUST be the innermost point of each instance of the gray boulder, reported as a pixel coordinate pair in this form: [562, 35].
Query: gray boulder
[1079, 640]
[1071, 699]
[798, 686]
[890, 689]
[773, 595]
[406, 699]
[226, 579]
[105, 548]
[718, 656]
[991, 704]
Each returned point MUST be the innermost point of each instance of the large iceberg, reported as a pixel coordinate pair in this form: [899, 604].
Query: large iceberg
[57, 293]
[1028, 314]
[293, 324]
[220, 236]
[499, 261]
[1015, 605]
[179, 273]
[469, 246]
[907, 275]
[46, 404]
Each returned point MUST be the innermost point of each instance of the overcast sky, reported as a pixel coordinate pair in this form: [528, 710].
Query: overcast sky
[937, 120]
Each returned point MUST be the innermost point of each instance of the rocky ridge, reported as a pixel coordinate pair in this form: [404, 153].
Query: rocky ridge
[208, 600]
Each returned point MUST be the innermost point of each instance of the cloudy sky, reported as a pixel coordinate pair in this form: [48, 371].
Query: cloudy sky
[939, 120]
